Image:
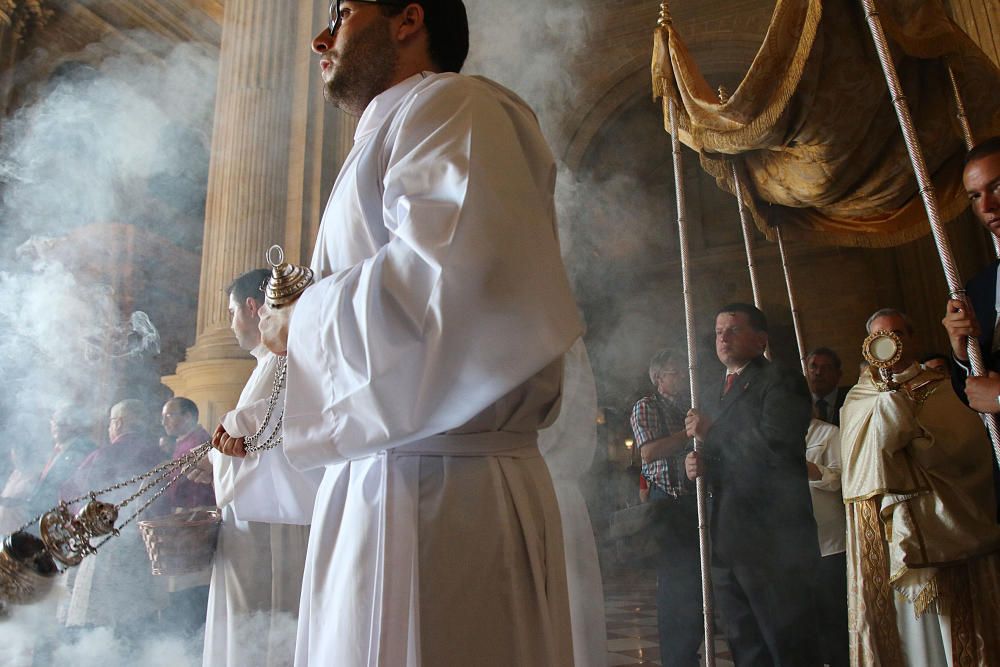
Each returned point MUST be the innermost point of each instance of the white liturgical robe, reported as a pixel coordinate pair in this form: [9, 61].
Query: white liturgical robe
[257, 572]
[568, 447]
[823, 450]
[422, 363]
[923, 545]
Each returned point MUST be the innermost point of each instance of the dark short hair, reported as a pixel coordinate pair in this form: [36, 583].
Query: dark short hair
[186, 405]
[826, 352]
[250, 285]
[756, 318]
[983, 149]
[447, 31]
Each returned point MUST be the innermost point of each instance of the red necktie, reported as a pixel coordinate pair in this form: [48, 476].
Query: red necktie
[730, 379]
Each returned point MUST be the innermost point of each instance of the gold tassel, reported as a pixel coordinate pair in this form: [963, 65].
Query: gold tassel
[927, 600]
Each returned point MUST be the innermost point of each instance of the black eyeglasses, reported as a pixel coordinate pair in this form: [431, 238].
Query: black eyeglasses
[335, 10]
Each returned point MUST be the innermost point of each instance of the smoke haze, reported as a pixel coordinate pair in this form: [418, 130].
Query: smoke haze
[116, 148]
[103, 175]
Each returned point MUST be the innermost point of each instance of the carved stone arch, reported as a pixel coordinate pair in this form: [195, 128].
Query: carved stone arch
[724, 58]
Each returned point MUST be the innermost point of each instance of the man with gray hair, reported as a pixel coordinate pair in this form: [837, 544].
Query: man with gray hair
[923, 547]
[115, 588]
[658, 423]
[884, 316]
[70, 428]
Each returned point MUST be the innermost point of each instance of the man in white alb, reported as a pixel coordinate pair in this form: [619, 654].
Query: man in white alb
[257, 572]
[425, 358]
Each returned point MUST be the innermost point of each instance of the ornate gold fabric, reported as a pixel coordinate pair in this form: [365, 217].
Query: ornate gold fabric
[921, 524]
[821, 152]
[871, 613]
[17, 15]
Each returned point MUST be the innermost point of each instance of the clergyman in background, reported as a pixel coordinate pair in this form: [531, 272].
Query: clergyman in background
[115, 588]
[923, 545]
[824, 467]
[188, 592]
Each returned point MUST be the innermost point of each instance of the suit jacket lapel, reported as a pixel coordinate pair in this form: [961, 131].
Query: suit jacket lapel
[984, 299]
[740, 387]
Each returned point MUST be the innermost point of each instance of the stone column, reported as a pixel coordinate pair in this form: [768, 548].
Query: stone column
[17, 19]
[263, 185]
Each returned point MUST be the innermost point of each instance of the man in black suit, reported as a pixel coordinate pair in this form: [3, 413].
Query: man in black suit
[981, 178]
[982, 183]
[764, 548]
[823, 373]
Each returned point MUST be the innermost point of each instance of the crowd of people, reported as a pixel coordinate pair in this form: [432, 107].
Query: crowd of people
[242, 606]
[101, 592]
[871, 501]
[413, 514]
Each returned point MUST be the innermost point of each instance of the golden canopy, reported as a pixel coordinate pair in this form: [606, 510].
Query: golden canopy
[820, 150]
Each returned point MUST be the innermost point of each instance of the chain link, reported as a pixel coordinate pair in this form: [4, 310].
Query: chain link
[184, 469]
[176, 467]
[250, 443]
[173, 469]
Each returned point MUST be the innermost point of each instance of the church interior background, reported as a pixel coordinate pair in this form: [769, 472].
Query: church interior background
[251, 150]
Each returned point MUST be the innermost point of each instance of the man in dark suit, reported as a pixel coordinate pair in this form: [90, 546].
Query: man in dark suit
[752, 426]
[981, 179]
[823, 373]
[982, 183]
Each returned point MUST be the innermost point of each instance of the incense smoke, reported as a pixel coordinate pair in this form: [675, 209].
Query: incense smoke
[103, 175]
[615, 206]
[113, 155]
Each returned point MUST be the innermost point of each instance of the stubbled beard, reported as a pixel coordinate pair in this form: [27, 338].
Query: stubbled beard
[364, 69]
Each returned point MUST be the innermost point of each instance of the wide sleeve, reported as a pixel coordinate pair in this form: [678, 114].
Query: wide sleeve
[823, 449]
[263, 486]
[267, 488]
[568, 445]
[245, 420]
[875, 429]
[645, 421]
[468, 299]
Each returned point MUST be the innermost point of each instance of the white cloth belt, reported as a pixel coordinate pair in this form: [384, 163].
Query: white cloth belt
[487, 443]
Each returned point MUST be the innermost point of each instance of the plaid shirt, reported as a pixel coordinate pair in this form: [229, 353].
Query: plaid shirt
[655, 417]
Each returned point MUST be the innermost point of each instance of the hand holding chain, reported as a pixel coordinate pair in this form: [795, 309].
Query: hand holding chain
[28, 563]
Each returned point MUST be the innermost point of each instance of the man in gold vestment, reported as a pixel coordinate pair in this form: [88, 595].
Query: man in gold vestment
[922, 538]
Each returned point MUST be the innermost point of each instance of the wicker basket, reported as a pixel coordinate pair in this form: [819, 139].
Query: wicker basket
[181, 543]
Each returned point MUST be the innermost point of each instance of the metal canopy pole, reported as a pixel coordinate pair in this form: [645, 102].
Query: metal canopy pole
[929, 196]
[704, 541]
[748, 240]
[963, 118]
[796, 320]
